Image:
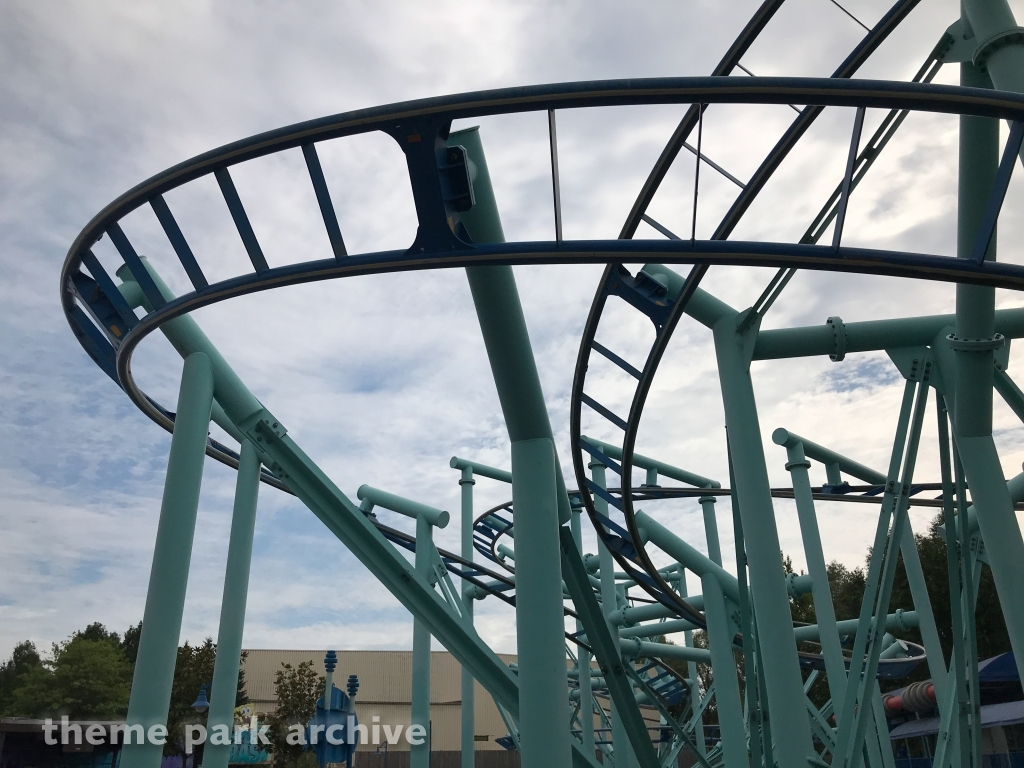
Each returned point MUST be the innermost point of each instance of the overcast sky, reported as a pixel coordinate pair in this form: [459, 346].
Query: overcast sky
[382, 379]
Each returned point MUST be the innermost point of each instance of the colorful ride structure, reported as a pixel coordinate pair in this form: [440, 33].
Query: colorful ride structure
[604, 691]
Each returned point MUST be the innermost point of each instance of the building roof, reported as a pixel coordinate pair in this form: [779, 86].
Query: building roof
[385, 677]
[998, 669]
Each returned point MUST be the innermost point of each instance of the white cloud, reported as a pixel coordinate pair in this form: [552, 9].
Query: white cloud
[383, 378]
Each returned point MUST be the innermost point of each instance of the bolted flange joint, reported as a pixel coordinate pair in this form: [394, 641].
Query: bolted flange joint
[975, 345]
[838, 338]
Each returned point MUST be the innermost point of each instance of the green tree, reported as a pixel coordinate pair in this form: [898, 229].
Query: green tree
[24, 659]
[193, 668]
[85, 679]
[296, 689]
[130, 643]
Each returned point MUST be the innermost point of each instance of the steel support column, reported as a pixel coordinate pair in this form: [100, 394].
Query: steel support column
[723, 663]
[828, 633]
[419, 756]
[609, 604]
[539, 600]
[466, 483]
[583, 660]
[975, 322]
[784, 683]
[543, 693]
[168, 578]
[232, 607]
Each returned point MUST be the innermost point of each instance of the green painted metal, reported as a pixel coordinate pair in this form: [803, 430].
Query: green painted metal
[543, 695]
[770, 599]
[543, 724]
[168, 578]
[854, 721]
[871, 335]
[687, 555]
[610, 603]
[344, 519]
[727, 691]
[481, 469]
[468, 724]
[707, 506]
[419, 711]
[772, 722]
[583, 665]
[438, 518]
[828, 632]
[1002, 61]
[603, 643]
[660, 467]
[232, 608]
[811, 450]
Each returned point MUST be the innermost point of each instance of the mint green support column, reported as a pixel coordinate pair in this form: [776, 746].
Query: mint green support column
[609, 604]
[828, 634]
[723, 663]
[707, 505]
[538, 490]
[543, 693]
[419, 756]
[1002, 58]
[583, 660]
[232, 607]
[784, 683]
[466, 483]
[168, 578]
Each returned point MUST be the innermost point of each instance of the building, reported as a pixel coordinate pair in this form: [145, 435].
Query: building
[385, 691]
[914, 722]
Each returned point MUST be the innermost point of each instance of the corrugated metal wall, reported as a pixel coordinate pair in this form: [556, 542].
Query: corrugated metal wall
[385, 687]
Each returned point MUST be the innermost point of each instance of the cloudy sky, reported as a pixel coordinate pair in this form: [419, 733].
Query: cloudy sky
[381, 379]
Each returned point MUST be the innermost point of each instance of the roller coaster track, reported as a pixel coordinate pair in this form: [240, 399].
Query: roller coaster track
[647, 296]
[109, 329]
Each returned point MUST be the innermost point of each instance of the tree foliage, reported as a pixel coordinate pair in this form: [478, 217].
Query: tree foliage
[89, 676]
[296, 689]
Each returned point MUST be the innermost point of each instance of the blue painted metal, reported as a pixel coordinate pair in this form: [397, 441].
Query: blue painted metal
[178, 242]
[241, 219]
[844, 197]
[987, 227]
[339, 718]
[323, 198]
[131, 258]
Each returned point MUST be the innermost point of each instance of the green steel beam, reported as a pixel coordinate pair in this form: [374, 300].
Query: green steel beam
[438, 518]
[812, 450]
[172, 554]
[544, 710]
[853, 723]
[871, 335]
[468, 700]
[824, 610]
[663, 469]
[583, 657]
[232, 607]
[999, 60]
[605, 650]
[770, 599]
[723, 663]
[483, 470]
[543, 692]
[419, 706]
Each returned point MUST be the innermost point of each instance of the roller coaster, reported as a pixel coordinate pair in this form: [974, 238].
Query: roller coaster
[596, 681]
